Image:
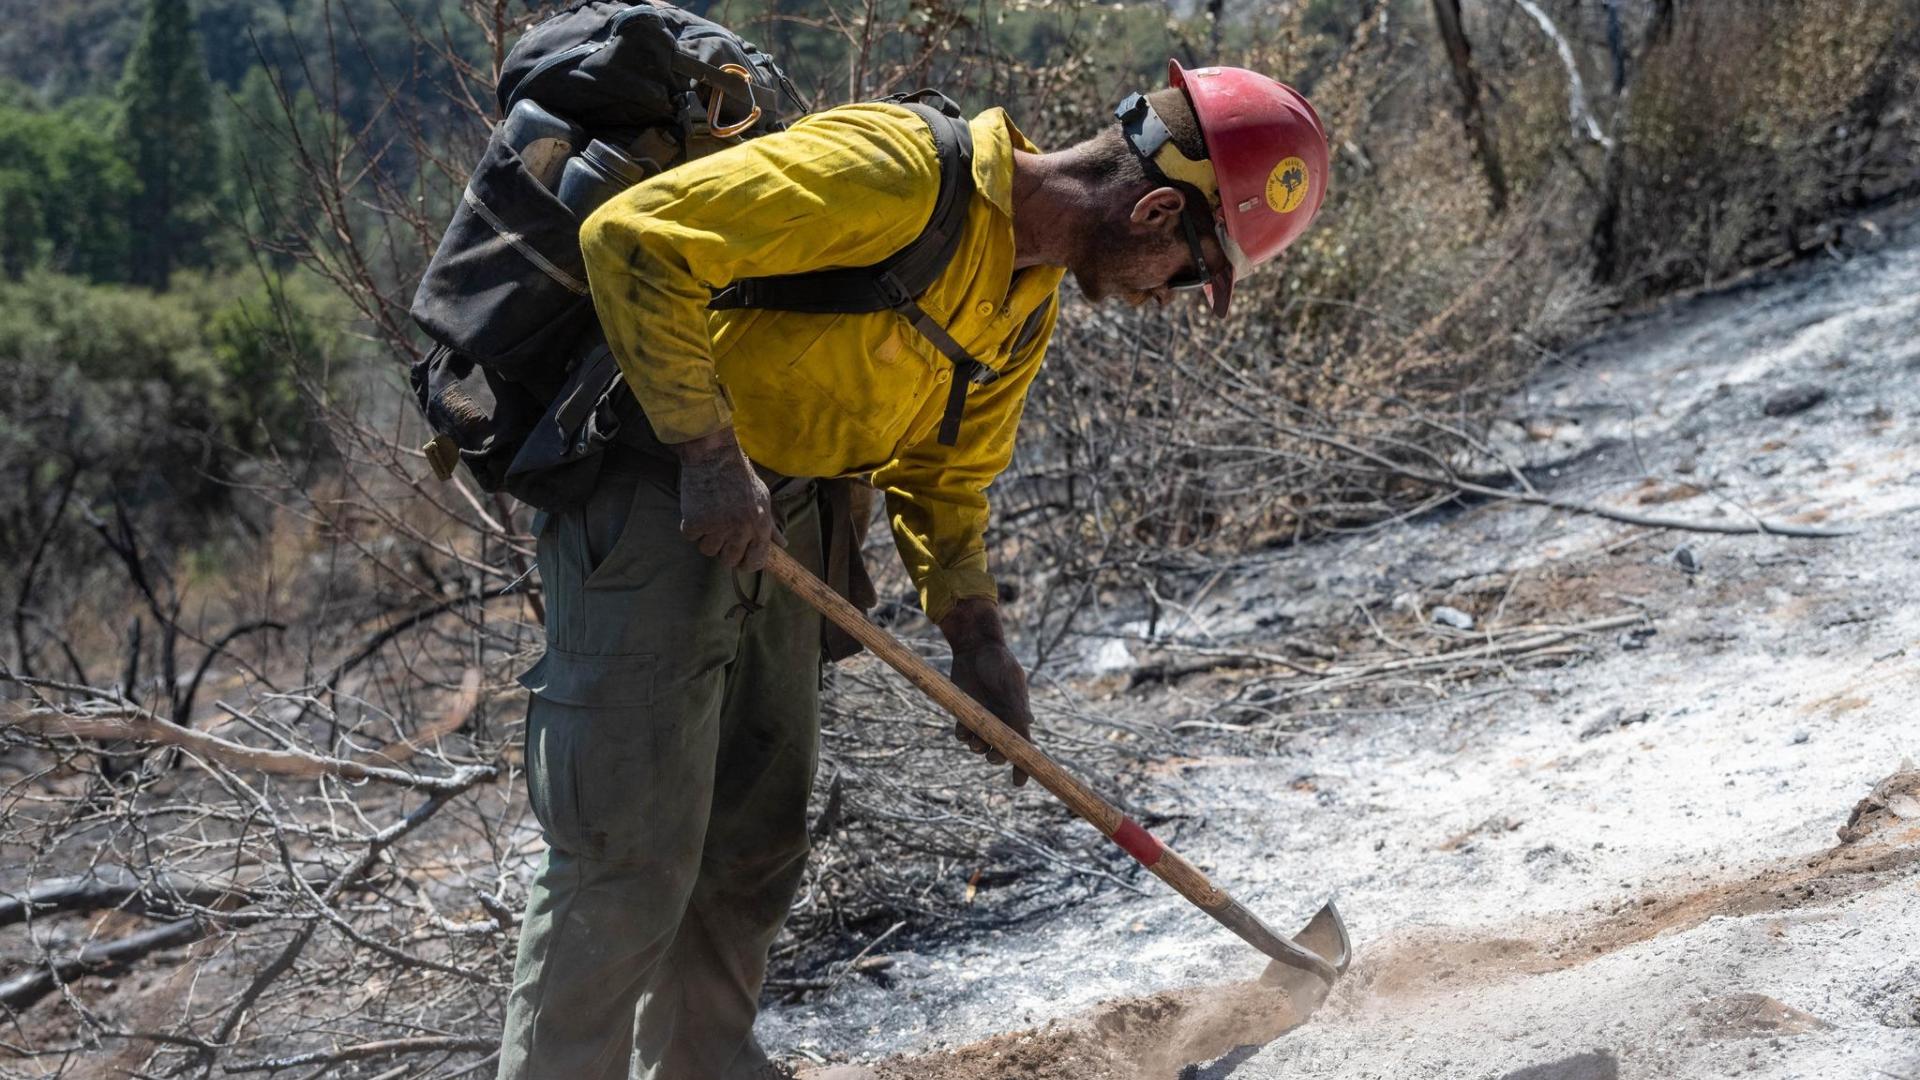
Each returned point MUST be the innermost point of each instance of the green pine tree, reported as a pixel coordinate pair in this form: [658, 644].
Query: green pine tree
[169, 136]
[21, 223]
[89, 185]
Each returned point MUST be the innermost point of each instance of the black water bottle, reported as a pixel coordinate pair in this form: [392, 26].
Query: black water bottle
[543, 141]
[597, 174]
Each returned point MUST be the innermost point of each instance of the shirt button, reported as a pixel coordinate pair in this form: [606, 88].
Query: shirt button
[984, 309]
[942, 375]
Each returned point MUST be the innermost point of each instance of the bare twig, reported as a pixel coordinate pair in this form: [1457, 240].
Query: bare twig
[419, 1044]
[107, 718]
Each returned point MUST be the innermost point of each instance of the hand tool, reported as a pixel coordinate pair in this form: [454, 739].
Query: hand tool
[1320, 950]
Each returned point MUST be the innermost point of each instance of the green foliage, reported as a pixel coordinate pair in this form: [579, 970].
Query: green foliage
[257, 346]
[102, 333]
[157, 396]
[64, 189]
[98, 381]
[167, 123]
[22, 222]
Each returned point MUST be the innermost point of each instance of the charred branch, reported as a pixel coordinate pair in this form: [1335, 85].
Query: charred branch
[96, 958]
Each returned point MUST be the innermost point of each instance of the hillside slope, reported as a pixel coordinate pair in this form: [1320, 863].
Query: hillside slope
[1616, 856]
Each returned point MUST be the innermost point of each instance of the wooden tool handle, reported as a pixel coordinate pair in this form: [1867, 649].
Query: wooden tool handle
[1166, 864]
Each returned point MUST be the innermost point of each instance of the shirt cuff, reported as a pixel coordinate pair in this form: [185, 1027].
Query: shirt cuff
[685, 421]
[943, 588]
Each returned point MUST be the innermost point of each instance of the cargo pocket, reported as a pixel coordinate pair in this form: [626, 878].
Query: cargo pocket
[588, 750]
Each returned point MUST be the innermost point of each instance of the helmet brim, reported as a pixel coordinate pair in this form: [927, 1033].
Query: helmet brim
[1220, 289]
[1220, 292]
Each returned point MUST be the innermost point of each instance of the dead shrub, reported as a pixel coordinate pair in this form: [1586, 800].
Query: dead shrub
[1753, 124]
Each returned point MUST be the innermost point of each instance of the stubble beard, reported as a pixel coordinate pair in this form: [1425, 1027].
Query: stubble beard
[1106, 260]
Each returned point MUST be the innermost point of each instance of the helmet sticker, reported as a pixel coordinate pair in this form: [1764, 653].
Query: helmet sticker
[1287, 185]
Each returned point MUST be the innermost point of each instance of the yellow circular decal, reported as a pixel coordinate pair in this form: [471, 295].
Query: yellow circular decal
[1287, 185]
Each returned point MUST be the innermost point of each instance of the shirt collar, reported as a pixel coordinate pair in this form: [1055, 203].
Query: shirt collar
[994, 141]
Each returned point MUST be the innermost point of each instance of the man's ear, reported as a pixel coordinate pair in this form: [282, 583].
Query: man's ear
[1159, 208]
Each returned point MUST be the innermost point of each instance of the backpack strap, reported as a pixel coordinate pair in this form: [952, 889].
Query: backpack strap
[1030, 330]
[895, 282]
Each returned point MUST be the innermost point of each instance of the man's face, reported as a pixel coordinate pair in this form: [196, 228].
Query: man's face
[1136, 255]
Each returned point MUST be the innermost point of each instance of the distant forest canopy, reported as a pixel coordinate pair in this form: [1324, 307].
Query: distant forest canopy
[169, 114]
[243, 191]
[174, 113]
[76, 48]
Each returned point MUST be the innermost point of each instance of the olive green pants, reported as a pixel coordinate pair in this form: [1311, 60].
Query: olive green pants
[671, 741]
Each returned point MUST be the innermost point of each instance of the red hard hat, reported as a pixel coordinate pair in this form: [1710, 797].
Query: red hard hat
[1268, 152]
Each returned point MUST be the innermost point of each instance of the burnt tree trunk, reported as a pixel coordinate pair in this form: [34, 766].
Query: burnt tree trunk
[1446, 13]
[1605, 240]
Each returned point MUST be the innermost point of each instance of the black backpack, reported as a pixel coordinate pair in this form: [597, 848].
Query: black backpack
[520, 385]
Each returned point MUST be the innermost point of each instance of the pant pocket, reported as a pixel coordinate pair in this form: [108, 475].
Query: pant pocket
[589, 751]
[635, 539]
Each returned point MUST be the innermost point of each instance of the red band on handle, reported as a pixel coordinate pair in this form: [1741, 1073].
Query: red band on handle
[1138, 842]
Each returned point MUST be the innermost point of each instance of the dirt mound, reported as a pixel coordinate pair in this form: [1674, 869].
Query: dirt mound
[1149, 1038]
[1891, 809]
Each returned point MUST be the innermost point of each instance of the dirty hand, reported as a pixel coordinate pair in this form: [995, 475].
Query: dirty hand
[987, 671]
[724, 505]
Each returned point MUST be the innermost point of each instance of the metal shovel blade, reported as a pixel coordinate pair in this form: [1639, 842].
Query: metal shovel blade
[1325, 936]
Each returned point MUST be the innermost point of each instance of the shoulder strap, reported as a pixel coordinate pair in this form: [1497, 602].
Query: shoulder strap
[1030, 330]
[896, 281]
[912, 269]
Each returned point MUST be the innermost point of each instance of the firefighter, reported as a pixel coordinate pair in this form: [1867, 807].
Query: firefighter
[673, 725]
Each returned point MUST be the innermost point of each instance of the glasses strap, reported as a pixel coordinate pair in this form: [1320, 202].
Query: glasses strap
[1146, 134]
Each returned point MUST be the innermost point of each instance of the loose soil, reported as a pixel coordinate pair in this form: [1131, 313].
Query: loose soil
[1167, 1034]
[1150, 1036]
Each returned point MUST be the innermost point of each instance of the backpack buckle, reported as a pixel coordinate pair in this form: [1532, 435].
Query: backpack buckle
[891, 290]
[442, 454]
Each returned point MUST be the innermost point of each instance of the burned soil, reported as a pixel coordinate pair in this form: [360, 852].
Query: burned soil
[1658, 819]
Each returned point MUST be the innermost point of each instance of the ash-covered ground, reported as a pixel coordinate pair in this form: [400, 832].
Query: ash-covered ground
[1613, 858]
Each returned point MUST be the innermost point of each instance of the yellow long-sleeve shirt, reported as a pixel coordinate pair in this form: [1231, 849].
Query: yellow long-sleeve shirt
[831, 395]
